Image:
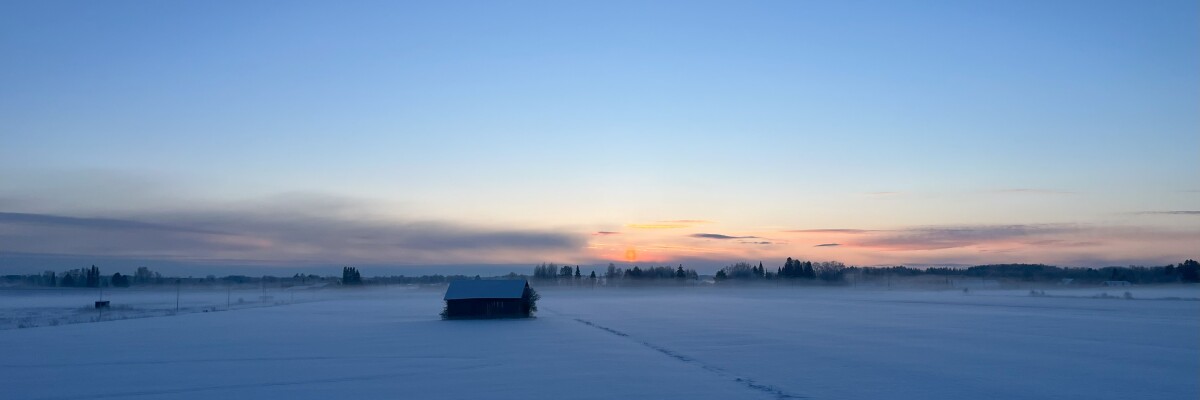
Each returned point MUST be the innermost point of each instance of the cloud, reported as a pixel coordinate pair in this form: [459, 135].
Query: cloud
[759, 242]
[276, 236]
[1185, 212]
[1089, 245]
[946, 237]
[1045, 236]
[845, 231]
[606, 233]
[91, 223]
[828, 245]
[1062, 243]
[720, 236]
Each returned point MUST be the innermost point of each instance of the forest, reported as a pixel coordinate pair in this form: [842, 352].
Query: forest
[790, 271]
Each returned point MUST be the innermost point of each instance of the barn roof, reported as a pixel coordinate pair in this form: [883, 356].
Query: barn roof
[486, 289]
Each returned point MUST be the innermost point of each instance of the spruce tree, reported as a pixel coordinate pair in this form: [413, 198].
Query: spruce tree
[1189, 271]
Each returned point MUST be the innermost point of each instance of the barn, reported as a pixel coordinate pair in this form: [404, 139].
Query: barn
[509, 298]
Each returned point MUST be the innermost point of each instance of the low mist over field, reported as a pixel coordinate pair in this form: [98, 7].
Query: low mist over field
[695, 342]
[600, 199]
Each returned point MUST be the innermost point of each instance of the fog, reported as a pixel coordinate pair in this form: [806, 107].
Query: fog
[685, 342]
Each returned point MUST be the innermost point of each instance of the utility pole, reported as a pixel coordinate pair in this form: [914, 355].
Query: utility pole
[178, 286]
[228, 295]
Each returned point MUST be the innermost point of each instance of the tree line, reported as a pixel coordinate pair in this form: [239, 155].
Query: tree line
[91, 277]
[351, 276]
[829, 271]
[566, 273]
[833, 271]
[794, 270]
[1187, 272]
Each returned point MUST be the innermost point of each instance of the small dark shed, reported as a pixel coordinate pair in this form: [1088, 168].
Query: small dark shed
[490, 299]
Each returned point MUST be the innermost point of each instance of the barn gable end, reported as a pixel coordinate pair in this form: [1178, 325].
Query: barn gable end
[489, 299]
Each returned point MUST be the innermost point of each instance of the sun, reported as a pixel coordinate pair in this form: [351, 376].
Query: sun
[630, 254]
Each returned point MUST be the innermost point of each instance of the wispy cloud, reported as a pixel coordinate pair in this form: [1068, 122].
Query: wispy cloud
[101, 224]
[1062, 243]
[606, 233]
[1181, 212]
[687, 221]
[946, 237]
[273, 236]
[720, 236]
[842, 231]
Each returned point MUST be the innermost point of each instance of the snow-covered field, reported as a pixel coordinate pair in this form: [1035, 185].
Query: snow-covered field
[28, 308]
[668, 343]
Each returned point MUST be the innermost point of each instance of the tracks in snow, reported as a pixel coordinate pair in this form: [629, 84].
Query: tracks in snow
[225, 360]
[247, 386]
[779, 393]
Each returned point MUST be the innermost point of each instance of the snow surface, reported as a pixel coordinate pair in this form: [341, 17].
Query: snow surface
[665, 343]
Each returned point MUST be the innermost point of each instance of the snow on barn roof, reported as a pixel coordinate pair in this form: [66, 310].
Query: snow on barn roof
[489, 289]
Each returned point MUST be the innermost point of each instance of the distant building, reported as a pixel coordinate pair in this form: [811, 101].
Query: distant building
[490, 299]
[1117, 283]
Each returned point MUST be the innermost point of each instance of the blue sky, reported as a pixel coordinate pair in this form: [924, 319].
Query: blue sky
[567, 119]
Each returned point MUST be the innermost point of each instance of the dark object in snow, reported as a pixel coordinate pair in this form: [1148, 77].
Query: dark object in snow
[102, 304]
[351, 276]
[510, 298]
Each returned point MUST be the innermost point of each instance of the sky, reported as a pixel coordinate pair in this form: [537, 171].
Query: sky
[292, 133]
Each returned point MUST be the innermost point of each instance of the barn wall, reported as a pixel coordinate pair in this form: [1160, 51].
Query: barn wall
[487, 308]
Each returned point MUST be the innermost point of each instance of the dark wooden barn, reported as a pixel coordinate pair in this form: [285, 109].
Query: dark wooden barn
[508, 298]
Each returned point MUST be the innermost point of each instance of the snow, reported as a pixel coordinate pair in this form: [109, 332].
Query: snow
[666, 343]
[58, 306]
